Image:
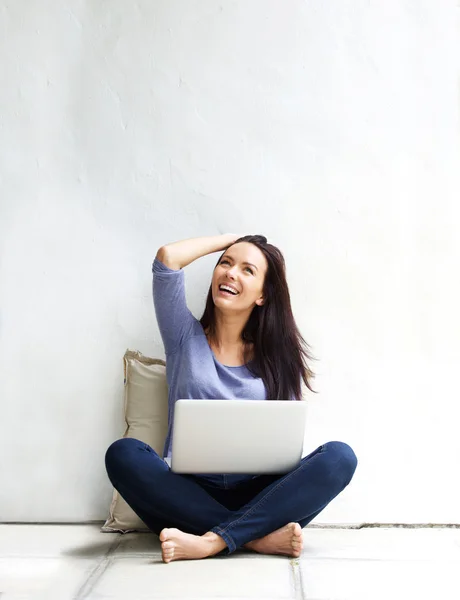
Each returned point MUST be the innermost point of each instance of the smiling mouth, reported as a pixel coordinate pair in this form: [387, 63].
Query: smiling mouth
[225, 293]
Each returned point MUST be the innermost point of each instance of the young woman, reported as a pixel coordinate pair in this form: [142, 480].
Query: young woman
[246, 345]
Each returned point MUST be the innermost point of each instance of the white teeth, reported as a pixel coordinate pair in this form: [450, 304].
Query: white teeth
[229, 289]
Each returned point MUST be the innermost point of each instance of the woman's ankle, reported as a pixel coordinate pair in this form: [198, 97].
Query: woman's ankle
[216, 543]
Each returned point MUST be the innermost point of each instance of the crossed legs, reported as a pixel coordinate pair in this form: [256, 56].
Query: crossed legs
[192, 523]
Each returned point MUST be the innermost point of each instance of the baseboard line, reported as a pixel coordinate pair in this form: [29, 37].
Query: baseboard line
[384, 525]
[309, 526]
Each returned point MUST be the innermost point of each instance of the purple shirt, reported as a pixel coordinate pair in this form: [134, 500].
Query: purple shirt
[192, 370]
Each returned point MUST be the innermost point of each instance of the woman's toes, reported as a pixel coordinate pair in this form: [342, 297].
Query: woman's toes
[164, 534]
[297, 540]
[167, 551]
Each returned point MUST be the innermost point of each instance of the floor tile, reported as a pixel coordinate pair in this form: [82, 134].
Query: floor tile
[381, 543]
[344, 579]
[36, 578]
[79, 541]
[78, 562]
[236, 576]
[132, 544]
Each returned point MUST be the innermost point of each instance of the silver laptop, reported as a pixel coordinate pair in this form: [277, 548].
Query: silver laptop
[237, 436]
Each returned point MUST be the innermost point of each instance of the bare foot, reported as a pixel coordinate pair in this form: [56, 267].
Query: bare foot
[287, 541]
[177, 545]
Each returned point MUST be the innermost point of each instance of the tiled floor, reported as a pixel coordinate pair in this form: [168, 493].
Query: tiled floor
[62, 562]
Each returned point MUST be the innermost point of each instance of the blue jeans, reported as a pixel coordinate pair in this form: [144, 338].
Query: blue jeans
[239, 508]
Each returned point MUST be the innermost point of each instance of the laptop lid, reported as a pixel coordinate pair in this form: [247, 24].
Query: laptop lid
[237, 436]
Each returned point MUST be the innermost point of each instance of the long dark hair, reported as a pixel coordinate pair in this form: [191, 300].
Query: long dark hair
[280, 351]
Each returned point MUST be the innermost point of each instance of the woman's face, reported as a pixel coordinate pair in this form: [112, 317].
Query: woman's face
[243, 267]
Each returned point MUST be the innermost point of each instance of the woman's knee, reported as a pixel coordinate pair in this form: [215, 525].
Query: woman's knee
[117, 453]
[344, 455]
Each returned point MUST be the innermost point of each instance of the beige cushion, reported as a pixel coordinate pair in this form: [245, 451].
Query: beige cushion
[146, 415]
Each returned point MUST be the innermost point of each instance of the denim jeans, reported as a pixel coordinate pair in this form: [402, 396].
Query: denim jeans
[239, 508]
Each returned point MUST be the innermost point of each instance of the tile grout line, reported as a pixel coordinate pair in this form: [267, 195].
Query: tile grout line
[297, 579]
[303, 591]
[98, 571]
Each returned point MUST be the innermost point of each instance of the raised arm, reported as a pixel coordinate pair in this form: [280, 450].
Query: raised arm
[178, 255]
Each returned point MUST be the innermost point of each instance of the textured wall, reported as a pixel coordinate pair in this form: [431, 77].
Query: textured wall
[331, 127]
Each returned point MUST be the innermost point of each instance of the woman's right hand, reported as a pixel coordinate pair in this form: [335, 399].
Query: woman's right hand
[230, 238]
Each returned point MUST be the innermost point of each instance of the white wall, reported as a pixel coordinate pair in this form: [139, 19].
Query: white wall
[330, 127]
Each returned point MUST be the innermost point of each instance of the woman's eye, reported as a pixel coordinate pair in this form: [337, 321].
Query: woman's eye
[226, 261]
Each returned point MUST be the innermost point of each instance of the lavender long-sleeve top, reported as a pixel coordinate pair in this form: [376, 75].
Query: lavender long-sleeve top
[192, 370]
